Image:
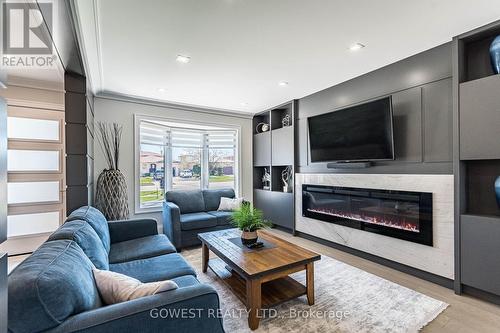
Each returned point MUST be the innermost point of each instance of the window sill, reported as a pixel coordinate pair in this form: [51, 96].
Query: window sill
[148, 210]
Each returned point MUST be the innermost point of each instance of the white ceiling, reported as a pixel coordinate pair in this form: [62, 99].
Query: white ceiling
[241, 49]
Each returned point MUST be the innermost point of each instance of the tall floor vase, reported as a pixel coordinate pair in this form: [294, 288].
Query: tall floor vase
[111, 195]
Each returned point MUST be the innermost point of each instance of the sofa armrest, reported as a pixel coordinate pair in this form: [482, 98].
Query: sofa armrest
[172, 223]
[188, 309]
[123, 230]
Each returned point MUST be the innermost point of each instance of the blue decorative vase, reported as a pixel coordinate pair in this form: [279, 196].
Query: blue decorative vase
[497, 190]
[495, 55]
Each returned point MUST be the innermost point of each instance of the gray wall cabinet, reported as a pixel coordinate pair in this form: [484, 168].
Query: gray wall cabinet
[302, 145]
[480, 118]
[274, 151]
[438, 129]
[407, 118]
[476, 161]
[282, 149]
[276, 207]
[262, 149]
[480, 248]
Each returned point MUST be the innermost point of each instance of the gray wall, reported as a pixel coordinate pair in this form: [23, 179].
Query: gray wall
[421, 91]
[90, 143]
[79, 104]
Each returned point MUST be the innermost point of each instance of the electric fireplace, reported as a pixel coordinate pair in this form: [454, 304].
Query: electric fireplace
[400, 214]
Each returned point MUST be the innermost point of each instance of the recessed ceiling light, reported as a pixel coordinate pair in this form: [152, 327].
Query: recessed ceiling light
[162, 90]
[282, 83]
[183, 59]
[356, 47]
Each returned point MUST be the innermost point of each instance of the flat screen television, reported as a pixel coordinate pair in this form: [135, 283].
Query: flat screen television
[359, 133]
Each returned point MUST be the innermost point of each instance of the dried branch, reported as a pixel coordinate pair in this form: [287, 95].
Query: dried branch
[109, 137]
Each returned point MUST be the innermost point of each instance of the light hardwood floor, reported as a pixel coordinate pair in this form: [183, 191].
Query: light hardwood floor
[465, 314]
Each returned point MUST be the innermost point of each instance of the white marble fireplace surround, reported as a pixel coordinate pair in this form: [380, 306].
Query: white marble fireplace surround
[437, 259]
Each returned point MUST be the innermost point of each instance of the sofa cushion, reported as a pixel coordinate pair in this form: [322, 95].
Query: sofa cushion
[117, 288]
[187, 201]
[223, 218]
[55, 282]
[85, 236]
[165, 267]
[212, 197]
[140, 248]
[194, 221]
[186, 281]
[230, 204]
[95, 218]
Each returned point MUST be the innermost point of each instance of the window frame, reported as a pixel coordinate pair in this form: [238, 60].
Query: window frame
[204, 181]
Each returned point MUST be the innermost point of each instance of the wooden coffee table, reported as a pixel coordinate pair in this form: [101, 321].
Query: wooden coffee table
[259, 277]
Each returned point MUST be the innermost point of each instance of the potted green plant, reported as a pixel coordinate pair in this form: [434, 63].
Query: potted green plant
[249, 219]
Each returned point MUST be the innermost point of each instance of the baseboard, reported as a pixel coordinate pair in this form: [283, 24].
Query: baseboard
[481, 294]
[442, 281]
[278, 227]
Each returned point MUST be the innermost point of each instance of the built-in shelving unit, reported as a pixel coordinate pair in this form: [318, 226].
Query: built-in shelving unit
[274, 151]
[258, 174]
[476, 163]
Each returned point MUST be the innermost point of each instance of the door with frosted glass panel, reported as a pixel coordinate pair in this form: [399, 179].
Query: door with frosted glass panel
[36, 182]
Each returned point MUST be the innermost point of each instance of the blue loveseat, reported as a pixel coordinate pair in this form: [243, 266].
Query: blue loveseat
[187, 213]
[54, 290]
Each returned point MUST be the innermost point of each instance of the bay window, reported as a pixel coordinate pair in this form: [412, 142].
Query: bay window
[181, 156]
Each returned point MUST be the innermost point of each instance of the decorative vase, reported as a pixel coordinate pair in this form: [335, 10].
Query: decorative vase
[248, 237]
[495, 54]
[285, 122]
[262, 127]
[111, 195]
[497, 190]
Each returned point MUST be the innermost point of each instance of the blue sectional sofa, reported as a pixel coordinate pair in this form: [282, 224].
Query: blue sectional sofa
[187, 213]
[53, 290]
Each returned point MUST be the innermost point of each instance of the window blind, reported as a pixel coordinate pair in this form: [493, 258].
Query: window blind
[153, 134]
[186, 138]
[221, 139]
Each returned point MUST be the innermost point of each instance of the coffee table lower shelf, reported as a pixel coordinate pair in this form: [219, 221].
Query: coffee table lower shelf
[273, 292]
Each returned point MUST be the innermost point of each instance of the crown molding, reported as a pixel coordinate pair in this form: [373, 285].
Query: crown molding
[95, 78]
[171, 105]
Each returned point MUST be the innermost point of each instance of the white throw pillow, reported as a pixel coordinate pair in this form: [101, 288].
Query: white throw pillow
[116, 288]
[228, 204]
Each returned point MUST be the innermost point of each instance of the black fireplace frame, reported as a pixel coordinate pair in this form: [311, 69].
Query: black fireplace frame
[424, 236]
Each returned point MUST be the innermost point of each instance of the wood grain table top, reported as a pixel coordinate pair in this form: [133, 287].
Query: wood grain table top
[257, 262]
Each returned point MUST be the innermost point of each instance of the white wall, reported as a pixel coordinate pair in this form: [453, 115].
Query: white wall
[123, 111]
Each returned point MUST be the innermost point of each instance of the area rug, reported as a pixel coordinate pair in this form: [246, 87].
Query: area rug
[347, 299]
